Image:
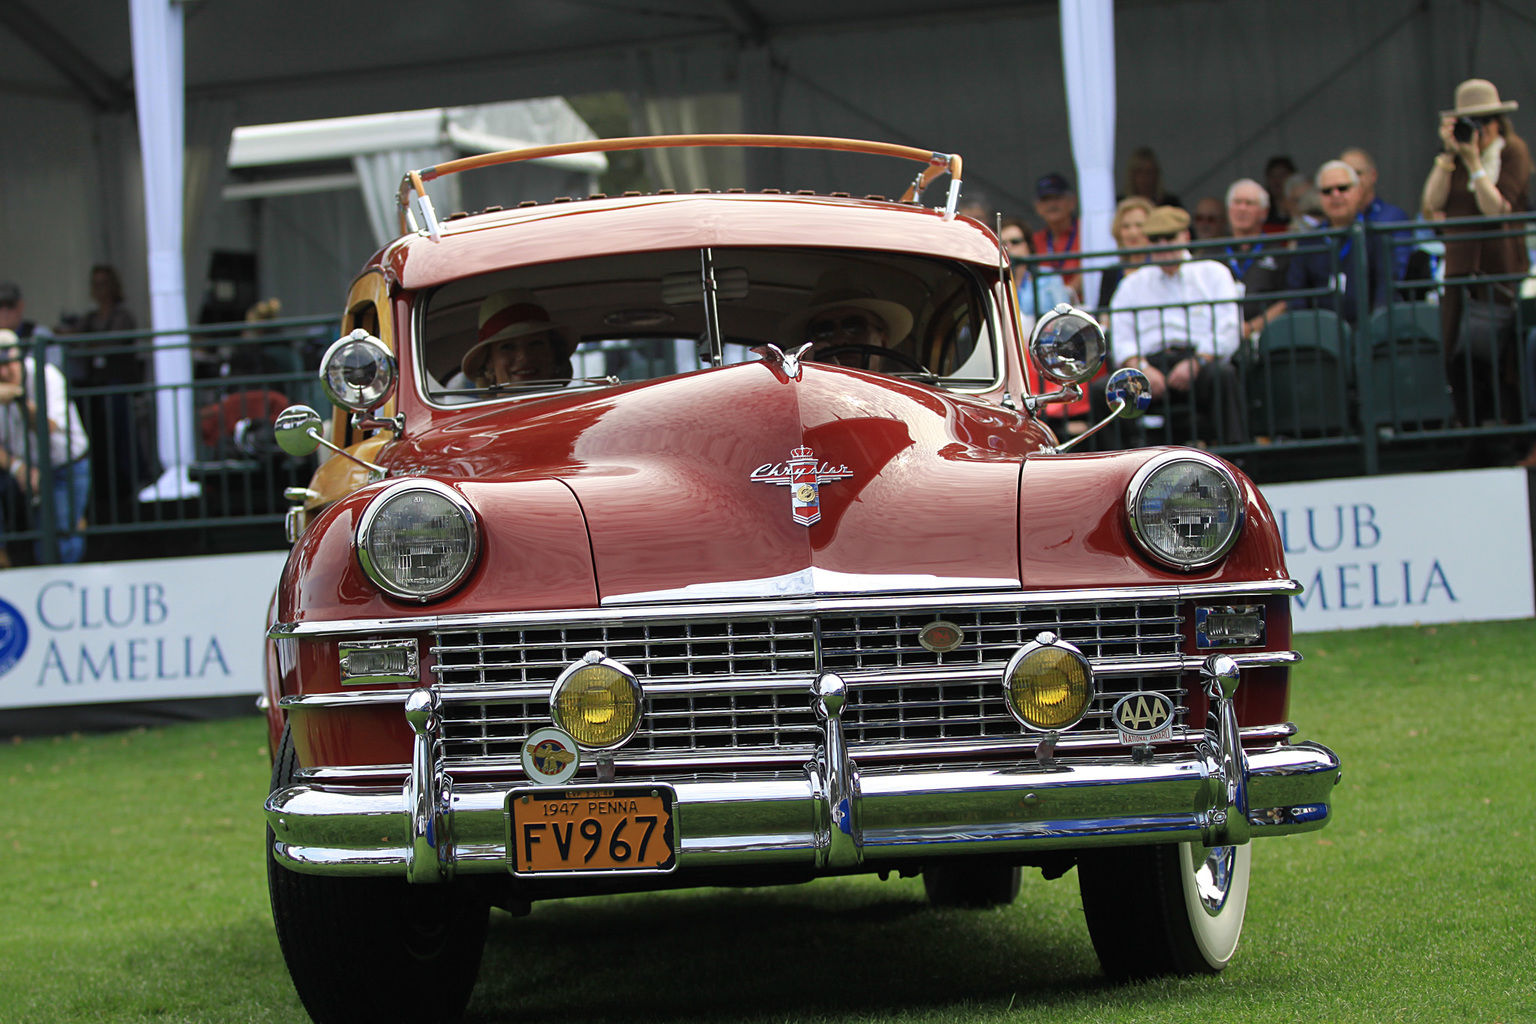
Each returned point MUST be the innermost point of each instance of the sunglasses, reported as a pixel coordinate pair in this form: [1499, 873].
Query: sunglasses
[1331, 189]
[1013, 241]
[821, 330]
[1160, 239]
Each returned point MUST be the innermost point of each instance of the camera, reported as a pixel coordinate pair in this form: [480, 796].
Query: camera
[1464, 130]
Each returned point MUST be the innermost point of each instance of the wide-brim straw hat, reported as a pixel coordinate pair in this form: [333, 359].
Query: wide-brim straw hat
[1478, 97]
[835, 289]
[511, 313]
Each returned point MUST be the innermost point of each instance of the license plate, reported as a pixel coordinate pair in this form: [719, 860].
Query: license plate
[591, 829]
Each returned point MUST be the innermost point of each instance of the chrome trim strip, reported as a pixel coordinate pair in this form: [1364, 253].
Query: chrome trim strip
[745, 761]
[813, 580]
[799, 683]
[781, 608]
[357, 698]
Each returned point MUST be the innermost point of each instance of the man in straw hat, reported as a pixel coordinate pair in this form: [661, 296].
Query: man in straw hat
[846, 324]
[1483, 170]
[1176, 319]
[517, 343]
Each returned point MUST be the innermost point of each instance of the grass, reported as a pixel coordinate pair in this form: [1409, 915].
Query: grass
[132, 889]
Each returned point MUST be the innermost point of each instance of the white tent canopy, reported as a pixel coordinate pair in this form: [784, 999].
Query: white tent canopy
[1215, 89]
[383, 147]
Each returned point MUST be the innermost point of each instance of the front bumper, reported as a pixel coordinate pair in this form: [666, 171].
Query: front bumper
[836, 816]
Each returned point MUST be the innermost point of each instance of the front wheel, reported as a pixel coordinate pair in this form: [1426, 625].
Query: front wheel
[374, 949]
[1155, 910]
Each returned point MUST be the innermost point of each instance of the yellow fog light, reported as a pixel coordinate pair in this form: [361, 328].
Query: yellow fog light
[1048, 685]
[597, 701]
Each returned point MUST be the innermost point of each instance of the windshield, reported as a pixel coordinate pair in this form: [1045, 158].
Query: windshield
[637, 316]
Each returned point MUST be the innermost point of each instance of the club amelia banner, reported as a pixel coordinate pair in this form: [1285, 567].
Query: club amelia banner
[1423, 548]
[126, 631]
[1398, 550]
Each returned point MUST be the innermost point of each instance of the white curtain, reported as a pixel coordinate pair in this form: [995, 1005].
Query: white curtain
[1088, 61]
[159, 94]
[379, 174]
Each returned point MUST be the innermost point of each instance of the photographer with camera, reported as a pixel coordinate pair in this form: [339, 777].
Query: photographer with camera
[1483, 170]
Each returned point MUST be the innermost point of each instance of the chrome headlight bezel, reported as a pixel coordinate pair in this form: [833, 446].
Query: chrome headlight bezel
[367, 526]
[1068, 345]
[356, 394]
[1141, 530]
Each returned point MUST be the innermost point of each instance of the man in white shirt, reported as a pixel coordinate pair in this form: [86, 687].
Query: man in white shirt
[1176, 319]
[21, 444]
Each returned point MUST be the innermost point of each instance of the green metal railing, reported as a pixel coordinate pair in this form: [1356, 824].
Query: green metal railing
[1326, 394]
[1321, 395]
[242, 375]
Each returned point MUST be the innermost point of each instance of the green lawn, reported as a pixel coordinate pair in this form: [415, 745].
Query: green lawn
[132, 889]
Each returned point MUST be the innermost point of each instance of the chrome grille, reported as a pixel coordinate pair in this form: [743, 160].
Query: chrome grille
[706, 721]
[852, 643]
[701, 650]
[886, 715]
[727, 688]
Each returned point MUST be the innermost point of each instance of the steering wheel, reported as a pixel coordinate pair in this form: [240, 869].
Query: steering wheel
[870, 352]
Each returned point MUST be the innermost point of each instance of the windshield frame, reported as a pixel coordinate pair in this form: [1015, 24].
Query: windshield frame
[981, 288]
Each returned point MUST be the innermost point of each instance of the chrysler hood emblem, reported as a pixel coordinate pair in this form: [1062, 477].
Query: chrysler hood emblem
[803, 475]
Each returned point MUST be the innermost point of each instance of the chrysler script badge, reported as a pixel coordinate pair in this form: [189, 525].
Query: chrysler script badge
[803, 475]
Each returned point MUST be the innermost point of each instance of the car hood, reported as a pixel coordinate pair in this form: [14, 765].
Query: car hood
[688, 484]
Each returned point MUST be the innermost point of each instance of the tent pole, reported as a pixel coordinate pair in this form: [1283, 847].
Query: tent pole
[160, 97]
[1088, 62]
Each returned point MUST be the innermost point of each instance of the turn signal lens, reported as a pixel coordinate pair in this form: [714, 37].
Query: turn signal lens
[1048, 685]
[597, 701]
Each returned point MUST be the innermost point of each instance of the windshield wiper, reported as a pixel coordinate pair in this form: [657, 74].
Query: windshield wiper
[512, 387]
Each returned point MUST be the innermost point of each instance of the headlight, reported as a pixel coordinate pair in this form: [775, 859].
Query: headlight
[597, 701]
[1186, 509]
[418, 539]
[1048, 684]
[358, 372]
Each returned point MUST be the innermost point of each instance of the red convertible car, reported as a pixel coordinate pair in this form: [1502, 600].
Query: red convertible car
[717, 539]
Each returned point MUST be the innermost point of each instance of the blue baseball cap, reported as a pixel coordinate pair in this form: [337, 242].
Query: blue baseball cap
[1052, 184]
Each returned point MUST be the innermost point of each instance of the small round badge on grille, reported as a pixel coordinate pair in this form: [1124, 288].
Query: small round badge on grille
[550, 756]
[940, 636]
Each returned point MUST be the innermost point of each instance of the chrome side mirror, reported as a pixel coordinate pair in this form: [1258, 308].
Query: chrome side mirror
[1128, 392]
[297, 430]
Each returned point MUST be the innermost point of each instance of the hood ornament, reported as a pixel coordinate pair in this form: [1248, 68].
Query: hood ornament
[789, 362]
[803, 475]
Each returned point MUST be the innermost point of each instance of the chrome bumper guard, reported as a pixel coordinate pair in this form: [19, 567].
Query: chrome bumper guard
[837, 816]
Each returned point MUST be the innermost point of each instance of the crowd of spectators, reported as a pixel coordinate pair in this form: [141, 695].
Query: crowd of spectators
[1186, 300]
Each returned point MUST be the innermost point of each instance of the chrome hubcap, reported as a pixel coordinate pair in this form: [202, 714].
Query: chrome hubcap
[1213, 877]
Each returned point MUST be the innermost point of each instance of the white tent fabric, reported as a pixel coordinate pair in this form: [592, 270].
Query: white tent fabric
[383, 147]
[1215, 89]
[1088, 58]
[379, 174]
[159, 94]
